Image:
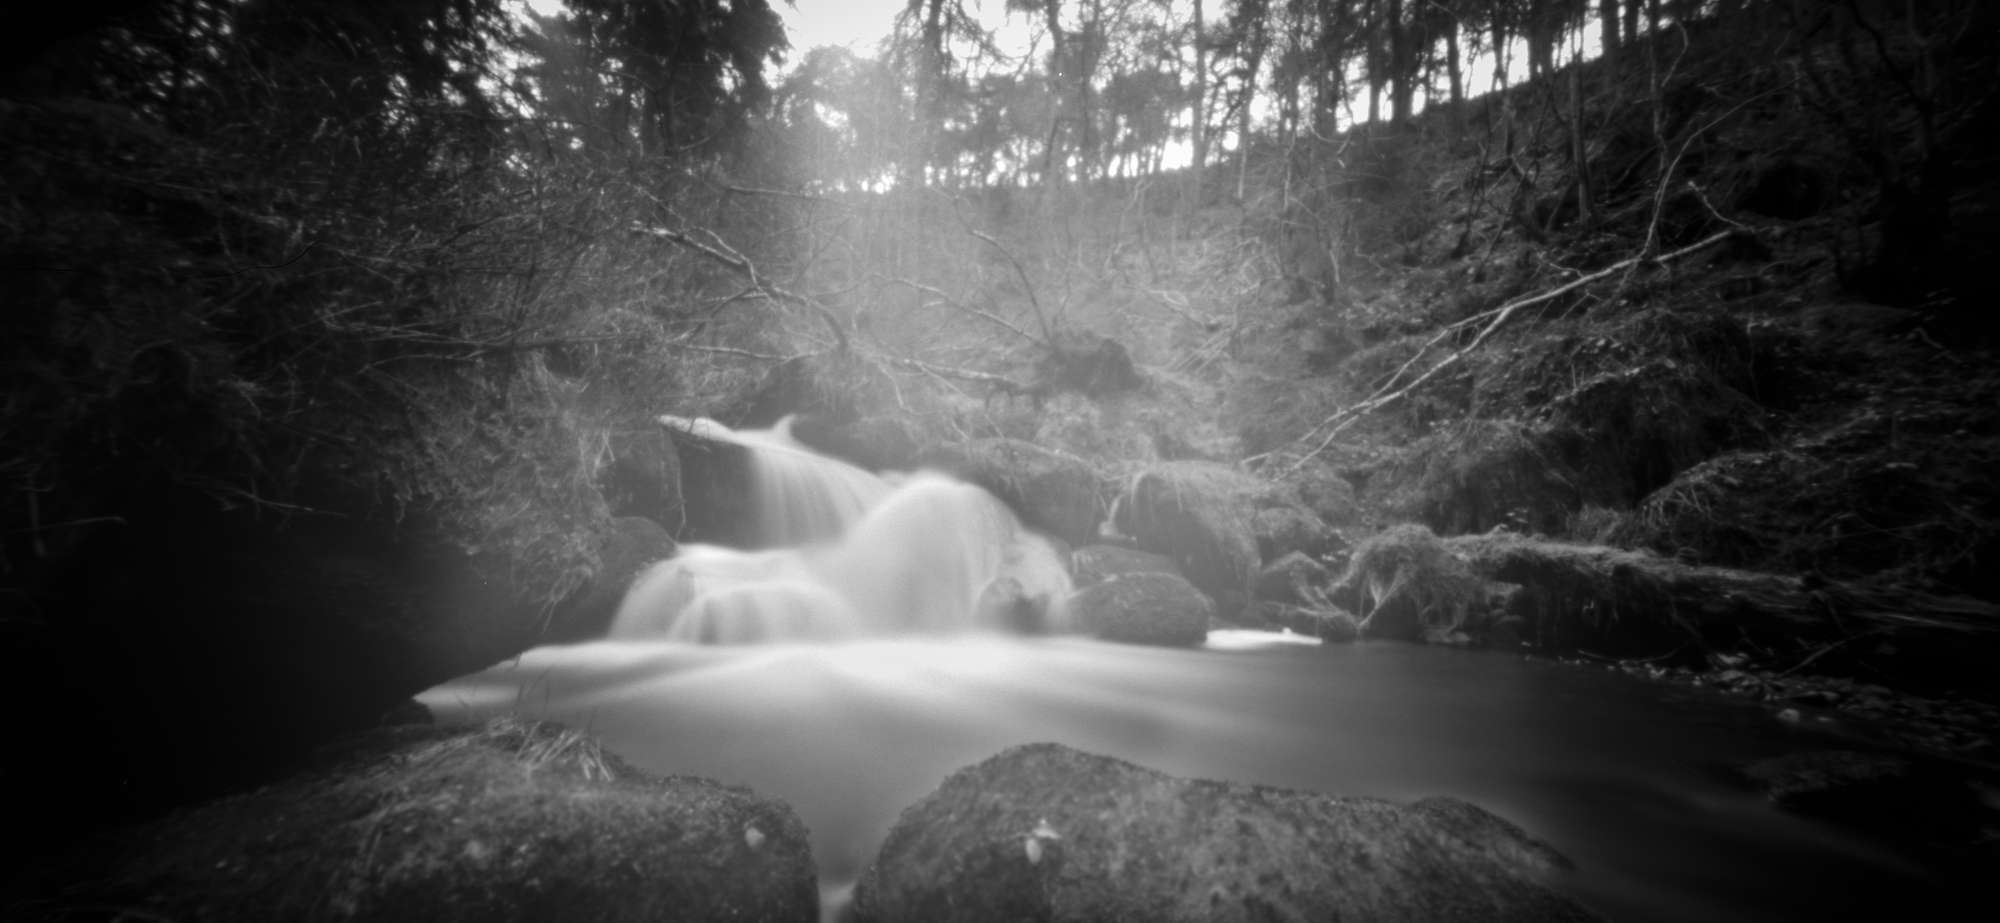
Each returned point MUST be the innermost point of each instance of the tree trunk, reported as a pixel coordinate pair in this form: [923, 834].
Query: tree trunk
[1058, 48]
[1607, 11]
[1200, 109]
[1402, 73]
[1451, 64]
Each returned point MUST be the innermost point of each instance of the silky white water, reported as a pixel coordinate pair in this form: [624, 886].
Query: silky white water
[861, 557]
[850, 675]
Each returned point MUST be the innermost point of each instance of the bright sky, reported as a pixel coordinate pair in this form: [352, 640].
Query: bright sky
[857, 24]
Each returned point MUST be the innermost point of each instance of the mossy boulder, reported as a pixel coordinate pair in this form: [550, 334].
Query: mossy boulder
[1054, 492]
[1093, 564]
[880, 443]
[1200, 514]
[1143, 608]
[1045, 832]
[510, 821]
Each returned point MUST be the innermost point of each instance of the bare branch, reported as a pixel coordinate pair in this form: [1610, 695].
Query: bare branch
[726, 255]
[962, 306]
[1027, 285]
[1346, 416]
[945, 371]
[732, 351]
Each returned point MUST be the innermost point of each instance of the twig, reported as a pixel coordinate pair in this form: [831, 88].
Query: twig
[945, 371]
[962, 306]
[722, 253]
[732, 351]
[1348, 415]
[1027, 285]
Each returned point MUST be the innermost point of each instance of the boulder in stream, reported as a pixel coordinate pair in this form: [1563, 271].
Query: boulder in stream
[1045, 832]
[1092, 564]
[509, 821]
[1199, 514]
[1053, 492]
[1143, 608]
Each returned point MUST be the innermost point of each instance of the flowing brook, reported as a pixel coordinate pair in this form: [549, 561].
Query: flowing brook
[851, 673]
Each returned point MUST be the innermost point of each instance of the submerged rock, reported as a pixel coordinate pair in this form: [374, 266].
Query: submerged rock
[1044, 832]
[1143, 608]
[511, 821]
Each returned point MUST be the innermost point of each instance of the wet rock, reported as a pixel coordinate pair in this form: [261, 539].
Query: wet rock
[1143, 608]
[1198, 514]
[632, 544]
[839, 386]
[1051, 491]
[1092, 564]
[510, 821]
[641, 476]
[873, 443]
[718, 504]
[1044, 832]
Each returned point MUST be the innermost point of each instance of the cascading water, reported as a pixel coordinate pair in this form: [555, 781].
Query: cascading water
[864, 557]
[889, 670]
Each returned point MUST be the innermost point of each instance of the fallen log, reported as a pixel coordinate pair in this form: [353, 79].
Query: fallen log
[1577, 596]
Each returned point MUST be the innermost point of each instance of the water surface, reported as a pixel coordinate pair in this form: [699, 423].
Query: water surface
[1629, 779]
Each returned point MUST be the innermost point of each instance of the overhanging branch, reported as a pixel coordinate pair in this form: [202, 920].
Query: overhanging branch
[726, 255]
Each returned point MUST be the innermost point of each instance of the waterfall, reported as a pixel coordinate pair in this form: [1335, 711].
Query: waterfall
[860, 557]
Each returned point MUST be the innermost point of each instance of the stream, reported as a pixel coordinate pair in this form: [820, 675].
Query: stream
[1629, 779]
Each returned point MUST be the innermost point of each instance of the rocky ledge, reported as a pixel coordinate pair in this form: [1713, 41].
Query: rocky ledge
[507, 822]
[1044, 832]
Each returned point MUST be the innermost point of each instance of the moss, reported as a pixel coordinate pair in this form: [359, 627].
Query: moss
[509, 821]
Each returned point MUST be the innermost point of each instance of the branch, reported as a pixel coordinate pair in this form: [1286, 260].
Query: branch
[998, 381]
[724, 254]
[732, 351]
[969, 309]
[1346, 416]
[1041, 319]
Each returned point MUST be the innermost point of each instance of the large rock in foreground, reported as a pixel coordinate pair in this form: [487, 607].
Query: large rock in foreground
[1047, 833]
[1143, 608]
[511, 821]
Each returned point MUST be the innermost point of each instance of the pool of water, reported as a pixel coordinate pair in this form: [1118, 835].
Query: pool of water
[1629, 779]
